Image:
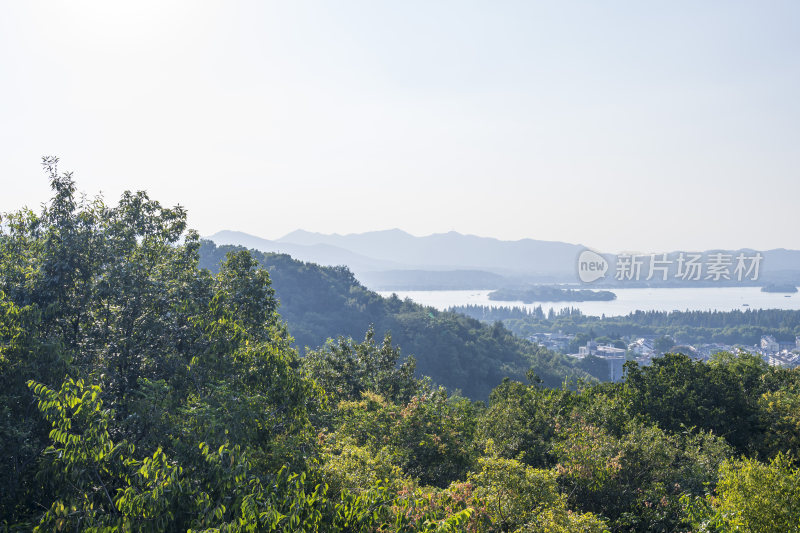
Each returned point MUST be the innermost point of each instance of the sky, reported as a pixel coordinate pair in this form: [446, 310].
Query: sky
[621, 125]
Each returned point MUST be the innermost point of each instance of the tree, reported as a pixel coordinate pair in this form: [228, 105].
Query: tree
[112, 297]
[636, 480]
[431, 438]
[346, 369]
[722, 396]
[522, 419]
[23, 434]
[751, 497]
[521, 498]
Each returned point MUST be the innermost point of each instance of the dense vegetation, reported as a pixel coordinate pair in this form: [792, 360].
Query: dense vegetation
[543, 293]
[688, 327]
[139, 392]
[459, 352]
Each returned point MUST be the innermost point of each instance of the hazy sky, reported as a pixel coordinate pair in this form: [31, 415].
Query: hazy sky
[620, 125]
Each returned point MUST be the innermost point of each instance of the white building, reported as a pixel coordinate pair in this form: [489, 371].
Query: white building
[769, 344]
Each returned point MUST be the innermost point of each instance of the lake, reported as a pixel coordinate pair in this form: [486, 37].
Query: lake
[628, 300]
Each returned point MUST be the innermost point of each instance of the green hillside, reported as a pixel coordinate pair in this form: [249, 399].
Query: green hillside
[456, 351]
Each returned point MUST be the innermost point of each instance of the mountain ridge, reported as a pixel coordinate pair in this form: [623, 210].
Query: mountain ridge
[384, 259]
[437, 251]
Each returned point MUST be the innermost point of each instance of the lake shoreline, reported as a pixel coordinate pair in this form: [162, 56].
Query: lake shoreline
[627, 301]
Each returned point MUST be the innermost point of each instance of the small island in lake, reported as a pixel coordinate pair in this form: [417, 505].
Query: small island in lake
[551, 294]
[779, 287]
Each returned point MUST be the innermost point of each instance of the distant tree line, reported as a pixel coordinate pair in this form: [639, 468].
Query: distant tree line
[744, 327]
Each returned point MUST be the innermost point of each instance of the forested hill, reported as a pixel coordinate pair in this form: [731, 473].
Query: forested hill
[139, 392]
[456, 351]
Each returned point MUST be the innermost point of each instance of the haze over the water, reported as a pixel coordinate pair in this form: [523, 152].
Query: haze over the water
[625, 125]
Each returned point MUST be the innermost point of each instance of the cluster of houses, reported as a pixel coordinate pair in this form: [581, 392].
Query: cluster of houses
[779, 353]
[642, 350]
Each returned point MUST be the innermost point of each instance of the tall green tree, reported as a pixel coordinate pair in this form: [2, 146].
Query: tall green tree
[111, 296]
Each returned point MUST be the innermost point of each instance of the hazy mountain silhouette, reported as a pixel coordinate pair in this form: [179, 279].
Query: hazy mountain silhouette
[396, 260]
[452, 251]
[322, 254]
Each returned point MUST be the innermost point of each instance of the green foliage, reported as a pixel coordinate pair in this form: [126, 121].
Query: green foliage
[722, 396]
[780, 412]
[522, 420]
[345, 466]
[97, 485]
[346, 369]
[139, 392]
[100, 486]
[435, 434]
[113, 297]
[638, 479]
[23, 435]
[521, 498]
[751, 497]
[431, 438]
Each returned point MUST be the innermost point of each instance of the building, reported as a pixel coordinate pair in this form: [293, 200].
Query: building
[642, 347]
[769, 344]
[557, 342]
[613, 356]
[609, 351]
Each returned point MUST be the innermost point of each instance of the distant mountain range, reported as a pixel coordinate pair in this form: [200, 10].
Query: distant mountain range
[321, 253]
[396, 260]
[450, 251]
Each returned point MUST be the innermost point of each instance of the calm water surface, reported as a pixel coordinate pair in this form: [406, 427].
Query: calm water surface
[628, 300]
